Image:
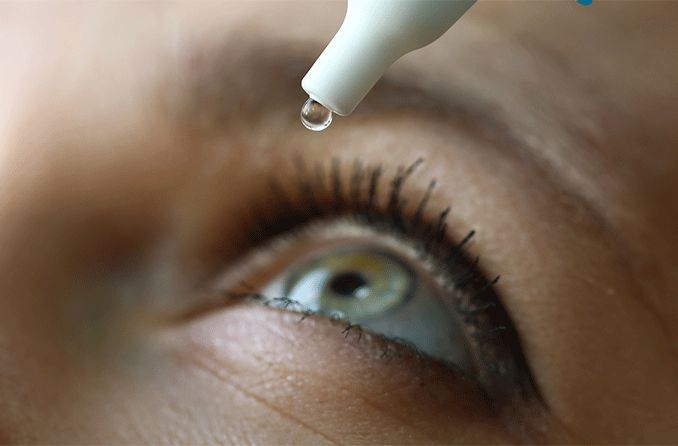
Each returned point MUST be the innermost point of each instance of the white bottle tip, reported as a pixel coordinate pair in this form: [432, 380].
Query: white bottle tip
[315, 116]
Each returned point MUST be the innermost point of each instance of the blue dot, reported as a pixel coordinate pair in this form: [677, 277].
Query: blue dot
[585, 2]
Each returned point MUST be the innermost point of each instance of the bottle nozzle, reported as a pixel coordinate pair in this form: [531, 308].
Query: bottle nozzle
[374, 34]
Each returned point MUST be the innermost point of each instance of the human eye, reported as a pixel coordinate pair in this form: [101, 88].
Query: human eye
[351, 242]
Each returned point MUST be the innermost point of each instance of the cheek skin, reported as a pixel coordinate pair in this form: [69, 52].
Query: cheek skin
[334, 389]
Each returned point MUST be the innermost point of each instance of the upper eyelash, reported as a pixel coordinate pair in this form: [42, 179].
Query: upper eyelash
[433, 235]
[506, 374]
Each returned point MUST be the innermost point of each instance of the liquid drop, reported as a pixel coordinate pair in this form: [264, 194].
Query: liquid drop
[315, 116]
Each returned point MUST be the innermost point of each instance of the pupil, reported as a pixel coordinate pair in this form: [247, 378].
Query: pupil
[346, 284]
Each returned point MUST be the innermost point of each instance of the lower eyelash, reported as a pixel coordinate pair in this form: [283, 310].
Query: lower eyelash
[320, 194]
[392, 347]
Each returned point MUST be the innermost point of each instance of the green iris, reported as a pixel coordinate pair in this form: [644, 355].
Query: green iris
[356, 284]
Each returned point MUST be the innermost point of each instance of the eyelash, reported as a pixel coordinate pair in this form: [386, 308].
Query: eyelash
[321, 193]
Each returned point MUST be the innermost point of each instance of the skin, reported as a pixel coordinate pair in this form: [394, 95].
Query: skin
[135, 139]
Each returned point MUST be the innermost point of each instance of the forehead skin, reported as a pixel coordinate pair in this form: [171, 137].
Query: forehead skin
[103, 126]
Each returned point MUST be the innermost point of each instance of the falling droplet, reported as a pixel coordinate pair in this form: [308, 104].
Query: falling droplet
[315, 116]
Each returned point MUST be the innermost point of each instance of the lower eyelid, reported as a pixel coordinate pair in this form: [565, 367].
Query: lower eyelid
[285, 363]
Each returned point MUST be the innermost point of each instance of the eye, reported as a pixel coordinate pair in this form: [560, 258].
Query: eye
[378, 290]
[340, 243]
